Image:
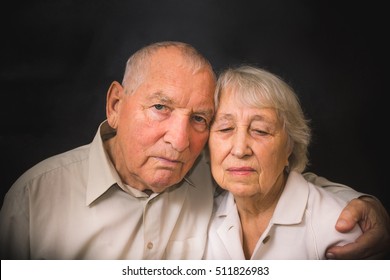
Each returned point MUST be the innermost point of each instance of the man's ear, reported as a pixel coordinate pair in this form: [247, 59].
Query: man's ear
[114, 99]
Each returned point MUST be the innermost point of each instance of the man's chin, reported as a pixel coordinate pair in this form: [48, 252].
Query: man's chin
[161, 183]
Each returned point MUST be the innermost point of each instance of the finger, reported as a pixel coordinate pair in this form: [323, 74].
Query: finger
[350, 216]
[360, 249]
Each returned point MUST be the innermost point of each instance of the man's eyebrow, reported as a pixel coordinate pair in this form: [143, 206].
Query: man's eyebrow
[207, 113]
[161, 97]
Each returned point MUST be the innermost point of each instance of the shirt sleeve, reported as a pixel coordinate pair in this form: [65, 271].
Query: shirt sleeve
[344, 192]
[14, 225]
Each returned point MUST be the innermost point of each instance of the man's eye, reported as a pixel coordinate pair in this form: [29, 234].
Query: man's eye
[199, 123]
[199, 119]
[159, 107]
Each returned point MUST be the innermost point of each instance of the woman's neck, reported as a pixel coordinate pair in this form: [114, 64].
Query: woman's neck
[255, 214]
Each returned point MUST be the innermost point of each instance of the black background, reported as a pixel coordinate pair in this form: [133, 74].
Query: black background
[58, 58]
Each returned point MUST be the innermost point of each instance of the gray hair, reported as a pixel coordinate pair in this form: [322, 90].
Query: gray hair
[138, 64]
[260, 88]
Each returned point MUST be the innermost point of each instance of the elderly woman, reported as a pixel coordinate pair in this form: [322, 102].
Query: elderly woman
[258, 151]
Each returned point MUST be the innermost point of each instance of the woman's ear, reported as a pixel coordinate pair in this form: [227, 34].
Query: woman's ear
[114, 99]
[290, 145]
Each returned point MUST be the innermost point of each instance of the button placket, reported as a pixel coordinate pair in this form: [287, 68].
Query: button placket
[152, 228]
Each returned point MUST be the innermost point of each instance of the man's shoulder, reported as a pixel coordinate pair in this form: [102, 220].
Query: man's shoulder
[55, 163]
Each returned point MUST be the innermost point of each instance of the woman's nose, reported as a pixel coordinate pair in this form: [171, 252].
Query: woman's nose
[240, 144]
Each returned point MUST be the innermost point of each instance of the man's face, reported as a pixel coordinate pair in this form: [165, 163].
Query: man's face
[164, 124]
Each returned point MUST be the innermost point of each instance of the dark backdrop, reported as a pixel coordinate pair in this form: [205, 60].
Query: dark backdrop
[58, 58]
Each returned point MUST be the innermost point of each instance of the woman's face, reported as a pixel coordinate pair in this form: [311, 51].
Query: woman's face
[248, 147]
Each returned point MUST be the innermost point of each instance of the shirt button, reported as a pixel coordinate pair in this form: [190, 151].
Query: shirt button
[149, 245]
[266, 239]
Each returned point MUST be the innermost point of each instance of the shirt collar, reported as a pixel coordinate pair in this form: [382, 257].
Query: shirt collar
[101, 174]
[291, 205]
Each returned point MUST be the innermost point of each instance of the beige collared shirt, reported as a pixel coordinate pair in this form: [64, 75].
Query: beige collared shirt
[74, 206]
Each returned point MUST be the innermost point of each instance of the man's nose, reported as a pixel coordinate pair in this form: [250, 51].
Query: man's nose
[178, 133]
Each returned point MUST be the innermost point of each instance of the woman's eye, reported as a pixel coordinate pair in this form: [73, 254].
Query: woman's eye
[227, 129]
[260, 132]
